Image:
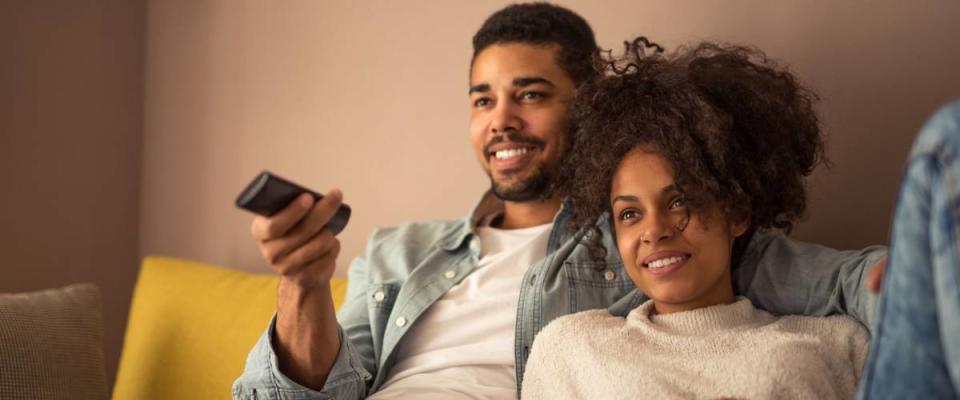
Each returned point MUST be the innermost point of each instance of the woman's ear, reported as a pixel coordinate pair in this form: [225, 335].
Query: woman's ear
[739, 227]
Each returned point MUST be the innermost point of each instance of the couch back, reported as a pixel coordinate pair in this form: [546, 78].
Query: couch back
[190, 328]
[51, 344]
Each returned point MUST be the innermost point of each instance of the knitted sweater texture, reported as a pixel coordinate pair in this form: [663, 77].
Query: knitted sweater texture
[726, 351]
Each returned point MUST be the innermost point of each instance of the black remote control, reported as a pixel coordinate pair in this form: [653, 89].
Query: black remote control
[267, 194]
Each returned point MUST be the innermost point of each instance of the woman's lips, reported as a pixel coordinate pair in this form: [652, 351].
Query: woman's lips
[664, 262]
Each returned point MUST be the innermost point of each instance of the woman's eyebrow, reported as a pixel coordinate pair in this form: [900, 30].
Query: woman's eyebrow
[624, 198]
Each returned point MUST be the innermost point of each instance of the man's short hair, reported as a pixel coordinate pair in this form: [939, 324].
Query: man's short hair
[543, 24]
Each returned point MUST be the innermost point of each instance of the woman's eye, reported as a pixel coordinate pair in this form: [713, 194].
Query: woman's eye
[628, 214]
[678, 202]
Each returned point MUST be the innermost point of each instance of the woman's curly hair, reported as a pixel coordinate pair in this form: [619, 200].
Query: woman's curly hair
[739, 131]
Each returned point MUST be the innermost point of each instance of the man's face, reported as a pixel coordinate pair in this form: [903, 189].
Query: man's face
[518, 97]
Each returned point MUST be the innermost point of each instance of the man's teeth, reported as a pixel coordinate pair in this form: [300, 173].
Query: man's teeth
[505, 154]
[663, 262]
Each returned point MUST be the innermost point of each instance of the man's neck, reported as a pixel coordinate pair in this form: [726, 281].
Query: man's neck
[518, 215]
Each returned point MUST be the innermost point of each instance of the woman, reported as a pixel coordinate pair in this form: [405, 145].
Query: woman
[687, 155]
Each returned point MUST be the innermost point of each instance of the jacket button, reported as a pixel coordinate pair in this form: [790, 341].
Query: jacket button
[401, 321]
[378, 296]
[450, 274]
[609, 275]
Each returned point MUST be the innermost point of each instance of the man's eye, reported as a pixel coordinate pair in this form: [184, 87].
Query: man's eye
[481, 102]
[532, 95]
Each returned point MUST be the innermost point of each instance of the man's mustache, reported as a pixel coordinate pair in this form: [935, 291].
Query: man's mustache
[515, 137]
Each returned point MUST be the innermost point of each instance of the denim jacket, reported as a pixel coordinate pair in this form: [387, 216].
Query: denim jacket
[405, 269]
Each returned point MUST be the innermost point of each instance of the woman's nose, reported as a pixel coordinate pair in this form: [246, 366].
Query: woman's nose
[656, 228]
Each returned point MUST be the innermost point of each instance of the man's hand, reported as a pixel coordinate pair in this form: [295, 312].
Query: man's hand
[875, 276]
[294, 242]
[296, 245]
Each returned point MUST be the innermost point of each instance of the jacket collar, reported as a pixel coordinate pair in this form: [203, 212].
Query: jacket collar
[488, 208]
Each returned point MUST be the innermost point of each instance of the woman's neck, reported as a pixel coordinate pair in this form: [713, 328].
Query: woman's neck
[721, 293]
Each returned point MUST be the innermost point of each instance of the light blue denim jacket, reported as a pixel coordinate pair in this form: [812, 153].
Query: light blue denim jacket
[405, 269]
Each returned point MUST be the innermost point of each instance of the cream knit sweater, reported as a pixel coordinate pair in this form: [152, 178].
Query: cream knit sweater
[727, 351]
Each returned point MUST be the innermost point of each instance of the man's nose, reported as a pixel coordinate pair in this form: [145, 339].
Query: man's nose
[505, 118]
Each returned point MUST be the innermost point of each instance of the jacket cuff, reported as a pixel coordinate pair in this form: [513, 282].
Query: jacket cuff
[262, 378]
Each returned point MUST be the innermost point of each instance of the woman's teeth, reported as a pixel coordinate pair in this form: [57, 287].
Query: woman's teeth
[505, 154]
[663, 262]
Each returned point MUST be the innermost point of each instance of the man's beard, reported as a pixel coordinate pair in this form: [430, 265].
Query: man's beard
[537, 186]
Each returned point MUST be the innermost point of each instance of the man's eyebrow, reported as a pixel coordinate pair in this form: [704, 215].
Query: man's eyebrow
[527, 81]
[518, 82]
[483, 87]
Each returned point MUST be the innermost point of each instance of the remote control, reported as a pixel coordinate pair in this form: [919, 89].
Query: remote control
[267, 194]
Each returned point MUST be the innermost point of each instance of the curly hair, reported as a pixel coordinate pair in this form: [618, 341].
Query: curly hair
[543, 24]
[739, 131]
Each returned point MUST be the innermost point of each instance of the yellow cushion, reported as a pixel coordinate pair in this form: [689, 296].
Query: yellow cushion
[190, 328]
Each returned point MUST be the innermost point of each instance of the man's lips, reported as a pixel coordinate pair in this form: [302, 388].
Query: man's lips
[510, 152]
[508, 160]
[492, 149]
[505, 156]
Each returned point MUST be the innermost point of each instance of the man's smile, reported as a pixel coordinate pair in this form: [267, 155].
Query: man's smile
[510, 156]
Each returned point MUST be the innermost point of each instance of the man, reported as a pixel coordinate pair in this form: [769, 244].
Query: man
[449, 309]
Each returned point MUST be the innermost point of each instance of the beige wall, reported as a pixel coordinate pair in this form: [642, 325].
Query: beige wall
[371, 97]
[71, 92]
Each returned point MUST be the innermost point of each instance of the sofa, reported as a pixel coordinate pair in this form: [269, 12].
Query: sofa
[190, 328]
[51, 344]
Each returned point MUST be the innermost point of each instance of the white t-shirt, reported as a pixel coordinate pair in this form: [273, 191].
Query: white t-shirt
[462, 347]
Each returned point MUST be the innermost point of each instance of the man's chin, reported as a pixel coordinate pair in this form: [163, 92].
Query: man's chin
[533, 189]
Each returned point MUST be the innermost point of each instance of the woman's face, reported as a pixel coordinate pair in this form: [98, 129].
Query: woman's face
[679, 257]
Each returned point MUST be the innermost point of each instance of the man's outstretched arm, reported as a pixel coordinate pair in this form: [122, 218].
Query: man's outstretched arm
[785, 276]
[297, 355]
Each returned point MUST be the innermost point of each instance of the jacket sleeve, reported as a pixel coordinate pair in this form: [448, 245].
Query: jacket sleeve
[352, 372]
[784, 276]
